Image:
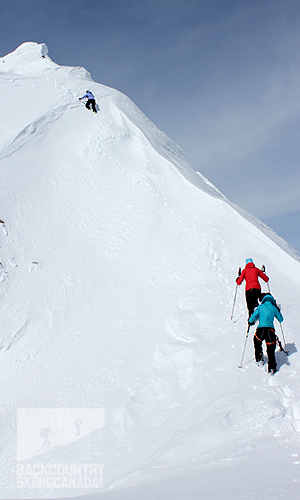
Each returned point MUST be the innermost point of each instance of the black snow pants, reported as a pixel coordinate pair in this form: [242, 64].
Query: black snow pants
[252, 297]
[91, 102]
[267, 334]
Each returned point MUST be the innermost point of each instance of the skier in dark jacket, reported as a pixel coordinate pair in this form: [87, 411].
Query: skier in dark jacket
[253, 290]
[91, 101]
[266, 312]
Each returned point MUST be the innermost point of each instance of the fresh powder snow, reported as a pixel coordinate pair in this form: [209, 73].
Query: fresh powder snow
[119, 362]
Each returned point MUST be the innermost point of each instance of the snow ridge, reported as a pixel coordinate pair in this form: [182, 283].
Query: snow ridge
[117, 276]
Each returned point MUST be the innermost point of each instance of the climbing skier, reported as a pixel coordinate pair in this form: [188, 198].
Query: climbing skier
[253, 290]
[266, 312]
[91, 101]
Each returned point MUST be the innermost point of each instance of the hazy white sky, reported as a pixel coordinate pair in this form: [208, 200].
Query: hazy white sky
[220, 77]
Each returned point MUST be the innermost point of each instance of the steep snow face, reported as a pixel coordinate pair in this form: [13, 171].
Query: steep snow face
[118, 267]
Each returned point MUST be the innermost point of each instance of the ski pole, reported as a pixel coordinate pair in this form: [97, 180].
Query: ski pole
[244, 349]
[269, 290]
[282, 335]
[234, 300]
[236, 286]
[263, 269]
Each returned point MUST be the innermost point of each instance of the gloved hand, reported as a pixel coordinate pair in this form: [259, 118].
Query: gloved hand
[251, 324]
[239, 273]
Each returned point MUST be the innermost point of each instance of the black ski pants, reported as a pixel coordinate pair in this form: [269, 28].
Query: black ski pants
[252, 297]
[268, 335]
[91, 102]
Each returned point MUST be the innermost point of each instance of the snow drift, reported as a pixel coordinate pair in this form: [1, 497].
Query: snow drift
[118, 267]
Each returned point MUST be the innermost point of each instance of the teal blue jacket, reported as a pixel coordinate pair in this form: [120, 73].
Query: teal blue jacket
[266, 312]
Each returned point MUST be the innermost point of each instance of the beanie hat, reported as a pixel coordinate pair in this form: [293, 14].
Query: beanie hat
[249, 260]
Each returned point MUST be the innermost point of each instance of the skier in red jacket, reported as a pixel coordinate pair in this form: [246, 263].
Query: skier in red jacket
[253, 289]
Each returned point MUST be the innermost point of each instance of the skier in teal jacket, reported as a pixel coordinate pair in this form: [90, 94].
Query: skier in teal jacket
[266, 312]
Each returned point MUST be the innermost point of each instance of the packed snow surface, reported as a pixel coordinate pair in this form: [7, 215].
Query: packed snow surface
[117, 276]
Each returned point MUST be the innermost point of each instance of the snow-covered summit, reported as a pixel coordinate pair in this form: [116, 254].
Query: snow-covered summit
[31, 57]
[118, 267]
[28, 57]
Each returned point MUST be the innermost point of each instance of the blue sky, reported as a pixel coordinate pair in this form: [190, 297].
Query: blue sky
[220, 77]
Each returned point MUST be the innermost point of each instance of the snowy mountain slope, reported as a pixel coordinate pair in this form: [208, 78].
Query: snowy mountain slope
[118, 274]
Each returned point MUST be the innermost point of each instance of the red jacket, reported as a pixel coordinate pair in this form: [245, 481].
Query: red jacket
[251, 275]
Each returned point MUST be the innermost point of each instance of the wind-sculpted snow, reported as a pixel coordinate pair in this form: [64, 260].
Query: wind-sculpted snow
[32, 131]
[117, 278]
[174, 154]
